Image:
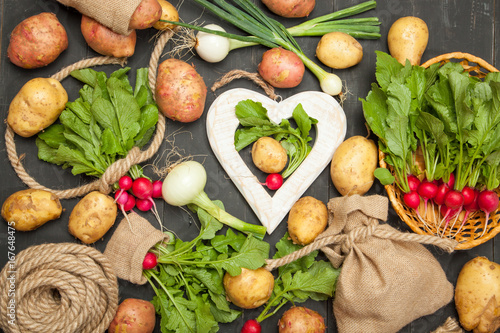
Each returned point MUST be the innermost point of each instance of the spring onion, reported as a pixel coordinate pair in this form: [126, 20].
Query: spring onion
[185, 185]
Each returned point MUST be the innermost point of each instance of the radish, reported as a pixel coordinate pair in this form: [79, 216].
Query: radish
[453, 201]
[469, 195]
[469, 208]
[143, 190]
[441, 193]
[125, 183]
[157, 184]
[251, 326]
[130, 204]
[144, 204]
[150, 261]
[412, 200]
[413, 182]
[487, 201]
[451, 181]
[121, 197]
[273, 181]
[427, 190]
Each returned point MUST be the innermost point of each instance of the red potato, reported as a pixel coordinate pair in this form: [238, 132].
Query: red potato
[281, 68]
[180, 91]
[145, 15]
[300, 319]
[133, 316]
[290, 8]
[105, 41]
[37, 41]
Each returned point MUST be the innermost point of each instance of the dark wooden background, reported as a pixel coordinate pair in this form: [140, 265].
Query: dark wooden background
[471, 26]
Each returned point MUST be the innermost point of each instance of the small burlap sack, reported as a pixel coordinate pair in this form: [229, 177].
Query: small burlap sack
[132, 239]
[114, 14]
[387, 279]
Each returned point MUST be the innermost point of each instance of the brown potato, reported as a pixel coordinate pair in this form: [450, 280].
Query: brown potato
[180, 91]
[268, 155]
[477, 295]
[407, 39]
[134, 316]
[300, 319]
[339, 50]
[105, 41]
[36, 106]
[30, 209]
[281, 68]
[92, 217]
[290, 8]
[308, 218]
[250, 289]
[353, 164]
[145, 15]
[37, 41]
[169, 13]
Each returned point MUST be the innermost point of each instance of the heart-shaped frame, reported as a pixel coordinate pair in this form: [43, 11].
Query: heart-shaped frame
[330, 132]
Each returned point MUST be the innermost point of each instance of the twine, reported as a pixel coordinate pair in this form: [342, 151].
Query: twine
[238, 74]
[121, 166]
[62, 287]
[360, 234]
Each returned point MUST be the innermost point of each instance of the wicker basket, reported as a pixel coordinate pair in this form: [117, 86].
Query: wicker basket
[470, 233]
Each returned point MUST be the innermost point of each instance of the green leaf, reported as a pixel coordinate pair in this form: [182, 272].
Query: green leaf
[384, 176]
[86, 75]
[304, 122]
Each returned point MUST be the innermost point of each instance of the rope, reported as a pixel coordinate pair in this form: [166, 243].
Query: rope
[62, 287]
[238, 74]
[118, 168]
[450, 326]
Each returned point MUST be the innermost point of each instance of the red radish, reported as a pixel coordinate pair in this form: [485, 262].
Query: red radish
[453, 199]
[469, 208]
[130, 204]
[150, 261]
[469, 196]
[157, 184]
[125, 183]
[144, 204]
[412, 200]
[487, 201]
[413, 182]
[121, 197]
[441, 193]
[251, 326]
[273, 181]
[451, 181]
[427, 190]
[143, 190]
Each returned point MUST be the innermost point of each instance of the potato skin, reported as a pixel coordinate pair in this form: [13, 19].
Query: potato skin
[353, 164]
[30, 209]
[180, 91]
[290, 8]
[169, 13]
[36, 106]
[299, 319]
[339, 50]
[92, 217]
[477, 296]
[308, 218]
[145, 15]
[37, 41]
[281, 68]
[250, 289]
[133, 316]
[407, 39]
[268, 155]
[105, 41]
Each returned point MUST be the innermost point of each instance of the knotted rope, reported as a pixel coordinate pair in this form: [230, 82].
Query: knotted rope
[238, 74]
[118, 168]
[63, 287]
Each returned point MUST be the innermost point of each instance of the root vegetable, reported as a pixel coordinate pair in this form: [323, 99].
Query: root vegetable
[36, 106]
[273, 181]
[353, 164]
[339, 50]
[37, 41]
[212, 48]
[105, 41]
[169, 13]
[268, 155]
[290, 8]
[29, 209]
[145, 15]
[407, 39]
[281, 68]
[477, 296]
[308, 218]
[134, 316]
[250, 289]
[180, 91]
[300, 319]
[251, 326]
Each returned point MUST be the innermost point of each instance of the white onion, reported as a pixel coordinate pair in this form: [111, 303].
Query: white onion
[212, 48]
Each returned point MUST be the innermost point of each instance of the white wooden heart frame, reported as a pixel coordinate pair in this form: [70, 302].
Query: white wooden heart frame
[330, 132]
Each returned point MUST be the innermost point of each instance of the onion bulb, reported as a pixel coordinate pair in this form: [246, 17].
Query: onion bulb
[212, 48]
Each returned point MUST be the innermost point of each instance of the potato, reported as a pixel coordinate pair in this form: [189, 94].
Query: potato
[37, 41]
[180, 91]
[169, 13]
[145, 15]
[281, 68]
[290, 8]
[133, 316]
[92, 217]
[36, 106]
[268, 155]
[477, 296]
[300, 319]
[30, 209]
[105, 41]
[353, 164]
[308, 218]
[407, 39]
[339, 50]
[250, 289]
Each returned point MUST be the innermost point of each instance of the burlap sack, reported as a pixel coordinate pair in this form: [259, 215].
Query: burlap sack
[387, 278]
[114, 14]
[129, 244]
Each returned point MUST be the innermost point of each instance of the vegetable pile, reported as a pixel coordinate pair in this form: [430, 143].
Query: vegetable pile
[449, 120]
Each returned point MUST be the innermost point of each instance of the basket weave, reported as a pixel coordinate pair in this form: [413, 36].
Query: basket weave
[472, 233]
